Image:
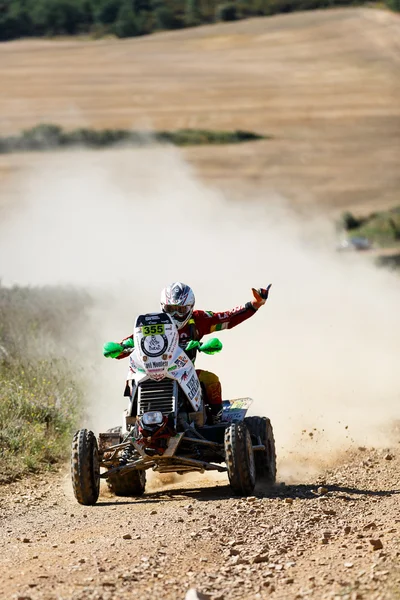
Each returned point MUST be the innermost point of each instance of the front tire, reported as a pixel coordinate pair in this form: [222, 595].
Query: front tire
[239, 458]
[85, 469]
[261, 430]
[131, 484]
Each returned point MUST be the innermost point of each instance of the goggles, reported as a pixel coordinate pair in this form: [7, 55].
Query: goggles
[174, 309]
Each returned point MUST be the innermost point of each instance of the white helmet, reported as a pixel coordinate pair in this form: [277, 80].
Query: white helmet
[177, 300]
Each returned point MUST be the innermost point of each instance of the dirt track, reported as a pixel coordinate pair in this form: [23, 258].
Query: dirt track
[194, 534]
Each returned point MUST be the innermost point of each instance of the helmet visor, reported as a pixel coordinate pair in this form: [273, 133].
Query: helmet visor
[175, 310]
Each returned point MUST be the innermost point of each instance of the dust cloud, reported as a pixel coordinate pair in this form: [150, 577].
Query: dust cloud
[320, 359]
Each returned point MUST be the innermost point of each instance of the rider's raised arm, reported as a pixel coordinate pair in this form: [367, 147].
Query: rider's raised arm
[208, 322]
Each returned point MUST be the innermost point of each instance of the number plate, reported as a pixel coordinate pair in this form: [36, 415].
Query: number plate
[153, 330]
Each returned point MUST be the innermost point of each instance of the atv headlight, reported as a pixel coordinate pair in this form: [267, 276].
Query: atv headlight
[152, 418]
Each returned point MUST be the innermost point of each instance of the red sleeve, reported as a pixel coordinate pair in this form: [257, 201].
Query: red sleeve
[208, 322]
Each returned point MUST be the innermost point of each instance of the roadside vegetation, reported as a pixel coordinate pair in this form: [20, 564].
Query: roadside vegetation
[380, 228]
[128, 18]
[40, 388]
[51, 137]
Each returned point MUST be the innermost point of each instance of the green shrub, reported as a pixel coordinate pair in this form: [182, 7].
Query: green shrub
[193, 14]
[393, 5]
[126, 23]
[46, 136]
[53, 17]
[165, 18]
[98, 31]
[383, 228]
[246, 8]
[226, 12]
[19, 19]
[42, 136]
[94, 138]
[39, 407]
[106, 11]
[40, 390]
[349, 221]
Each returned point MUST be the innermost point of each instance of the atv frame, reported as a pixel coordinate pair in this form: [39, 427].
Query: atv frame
[246, 447]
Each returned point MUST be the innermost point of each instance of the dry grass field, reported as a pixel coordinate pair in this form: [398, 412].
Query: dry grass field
[324, 84]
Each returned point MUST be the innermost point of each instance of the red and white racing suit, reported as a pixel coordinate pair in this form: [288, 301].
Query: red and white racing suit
[204, 322]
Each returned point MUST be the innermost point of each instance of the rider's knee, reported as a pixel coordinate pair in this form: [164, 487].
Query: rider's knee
[211, 386]
[208, 378]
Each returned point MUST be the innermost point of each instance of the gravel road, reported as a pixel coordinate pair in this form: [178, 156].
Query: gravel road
[337, 536]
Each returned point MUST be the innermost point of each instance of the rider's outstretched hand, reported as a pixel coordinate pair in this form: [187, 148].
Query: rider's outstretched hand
[260, 296]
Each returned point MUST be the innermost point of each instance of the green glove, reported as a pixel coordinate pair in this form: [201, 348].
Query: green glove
[112, 350]
[129, 343]
[210, 347]
[193, 345]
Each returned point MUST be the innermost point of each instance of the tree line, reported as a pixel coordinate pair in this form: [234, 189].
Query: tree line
[51, 137]
[128, 18]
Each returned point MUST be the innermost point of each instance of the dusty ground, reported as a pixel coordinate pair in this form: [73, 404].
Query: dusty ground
[295, 541]
[324, 84]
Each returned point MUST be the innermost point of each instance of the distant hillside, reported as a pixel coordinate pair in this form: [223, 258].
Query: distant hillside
[323, 86]
[129, 18]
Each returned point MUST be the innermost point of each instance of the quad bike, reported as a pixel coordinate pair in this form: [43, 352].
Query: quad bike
[167, 426]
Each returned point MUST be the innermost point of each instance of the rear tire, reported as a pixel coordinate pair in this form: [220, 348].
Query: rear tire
[131, 484]
[239, 458]
[261, 430]
[85, 469]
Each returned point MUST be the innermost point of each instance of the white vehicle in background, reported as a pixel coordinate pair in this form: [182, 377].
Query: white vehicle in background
[166, 428]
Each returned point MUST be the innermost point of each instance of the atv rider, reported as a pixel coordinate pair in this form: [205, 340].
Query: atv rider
[177, 300]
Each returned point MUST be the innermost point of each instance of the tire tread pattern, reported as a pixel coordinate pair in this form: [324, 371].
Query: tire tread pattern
[260, 427]
[131, 484]
[236, 458]
[85, 480]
